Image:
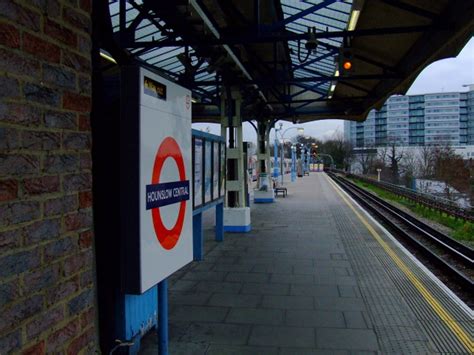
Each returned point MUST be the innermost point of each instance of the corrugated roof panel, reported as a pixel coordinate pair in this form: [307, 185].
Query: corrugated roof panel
[332, 17]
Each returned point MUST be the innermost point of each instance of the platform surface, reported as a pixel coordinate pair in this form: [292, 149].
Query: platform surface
[311, 278]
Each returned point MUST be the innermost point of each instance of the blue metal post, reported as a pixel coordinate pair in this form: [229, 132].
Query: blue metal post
[163, 317]
[308, 156]
[275, 156]
[220, 222]
[293, 163]
[198, 237]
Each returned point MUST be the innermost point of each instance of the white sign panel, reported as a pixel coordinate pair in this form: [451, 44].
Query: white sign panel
[165, 219]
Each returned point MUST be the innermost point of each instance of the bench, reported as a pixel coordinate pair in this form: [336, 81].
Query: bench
[281, 190]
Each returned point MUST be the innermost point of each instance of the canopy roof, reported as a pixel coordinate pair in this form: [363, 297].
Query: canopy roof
[263, 48]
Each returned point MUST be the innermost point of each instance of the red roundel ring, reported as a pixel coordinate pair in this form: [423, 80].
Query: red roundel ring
[168, 238]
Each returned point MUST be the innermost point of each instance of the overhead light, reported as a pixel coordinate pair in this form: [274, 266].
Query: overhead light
[336, 73]
[353, 20]
[333, 86]
[107, 57]
[193, 100]
[311, 43]
[300, 130]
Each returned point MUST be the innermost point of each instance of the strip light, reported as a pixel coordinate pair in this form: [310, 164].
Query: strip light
[107, 57]
[353, 20]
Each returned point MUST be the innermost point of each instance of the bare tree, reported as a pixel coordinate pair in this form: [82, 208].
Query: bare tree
[394, 155]
[425, 162]
[382, 155]
[338, 148]
[451, 170]
[366, 159]
[409, 167]
[425, 167]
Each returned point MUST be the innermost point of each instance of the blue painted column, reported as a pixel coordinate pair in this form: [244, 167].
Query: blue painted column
[275, 157]
[220, 222]
[308, 156]
[293, 164]
[163, 317]
[198, 237]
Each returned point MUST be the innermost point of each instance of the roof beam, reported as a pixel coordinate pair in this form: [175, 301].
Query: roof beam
[210, 23]
[279, 37]
[343, 23]
[308, 88]
[317, 59]
[410, 8]
[314, 79]
[280, 24]
[322, 99]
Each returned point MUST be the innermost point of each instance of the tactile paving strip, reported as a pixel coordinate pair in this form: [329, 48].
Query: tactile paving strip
[402, 318]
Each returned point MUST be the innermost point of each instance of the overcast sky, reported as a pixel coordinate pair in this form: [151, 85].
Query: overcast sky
[444, 75]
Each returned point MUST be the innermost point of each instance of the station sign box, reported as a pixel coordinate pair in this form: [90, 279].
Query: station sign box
[156, 196]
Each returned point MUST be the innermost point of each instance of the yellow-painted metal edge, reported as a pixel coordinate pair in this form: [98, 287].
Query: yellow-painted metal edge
[444, 315]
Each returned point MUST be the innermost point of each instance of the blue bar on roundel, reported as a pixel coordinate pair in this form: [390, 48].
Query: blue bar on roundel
[167, 193]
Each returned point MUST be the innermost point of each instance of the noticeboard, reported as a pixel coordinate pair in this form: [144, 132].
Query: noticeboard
[222, 177]
[208, 171]
[215, 170]
[156, 171]
[198, 171]
[208, 168]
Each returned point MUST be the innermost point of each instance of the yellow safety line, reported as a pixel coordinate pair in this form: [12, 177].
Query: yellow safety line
[464, 338]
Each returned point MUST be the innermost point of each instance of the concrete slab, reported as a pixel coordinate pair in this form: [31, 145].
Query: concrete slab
[350, 339]
[282, 336]
[256, 316]
[316, 319]
[216, 333]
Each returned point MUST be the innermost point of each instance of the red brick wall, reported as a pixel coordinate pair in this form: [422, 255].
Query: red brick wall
[47, 295]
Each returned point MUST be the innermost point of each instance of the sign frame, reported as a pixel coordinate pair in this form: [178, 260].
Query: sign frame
[145, 261]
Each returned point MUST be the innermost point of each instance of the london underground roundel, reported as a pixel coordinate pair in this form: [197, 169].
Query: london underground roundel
[167, 193]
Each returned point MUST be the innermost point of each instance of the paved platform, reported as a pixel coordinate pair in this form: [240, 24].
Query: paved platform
[315, 276]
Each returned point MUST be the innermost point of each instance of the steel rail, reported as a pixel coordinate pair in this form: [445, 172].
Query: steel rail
[453, 248]
[429, 201]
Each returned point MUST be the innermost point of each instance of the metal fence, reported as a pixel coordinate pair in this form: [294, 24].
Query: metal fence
[428, 200]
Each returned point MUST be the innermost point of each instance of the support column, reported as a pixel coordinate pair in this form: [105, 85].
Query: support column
[264, 192]
[236, 214]
[268, 152]
[293, 163]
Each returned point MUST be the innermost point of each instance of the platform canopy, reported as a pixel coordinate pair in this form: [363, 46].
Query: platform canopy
[285, 55]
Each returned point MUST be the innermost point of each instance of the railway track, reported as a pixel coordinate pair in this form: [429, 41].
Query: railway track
[455, 260]
[434, 202]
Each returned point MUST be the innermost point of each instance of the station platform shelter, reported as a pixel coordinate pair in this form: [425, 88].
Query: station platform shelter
[101, 175]
[316, 275]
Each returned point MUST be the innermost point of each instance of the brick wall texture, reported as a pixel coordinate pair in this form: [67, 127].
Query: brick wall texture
[47, 292]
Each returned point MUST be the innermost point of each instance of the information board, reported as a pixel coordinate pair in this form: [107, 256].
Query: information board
[215, 170]
[198, 162]
[222, 184]
[207, 171]
[157, 207]
[208, 168]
